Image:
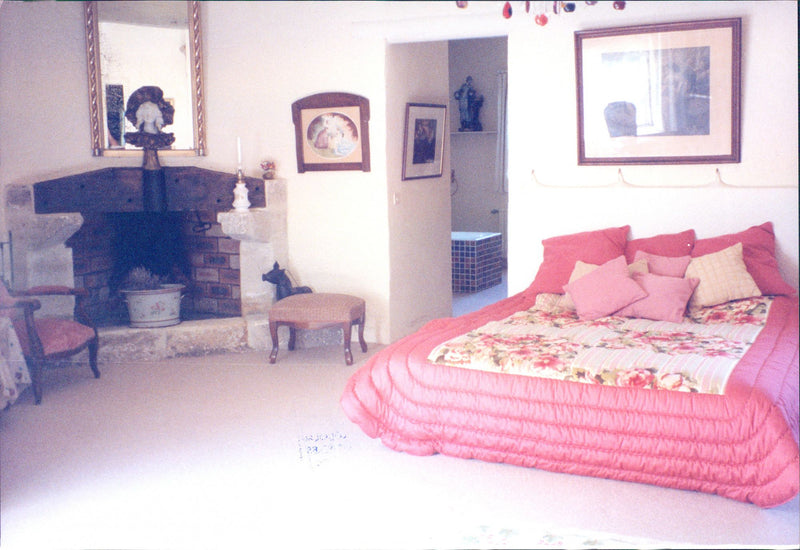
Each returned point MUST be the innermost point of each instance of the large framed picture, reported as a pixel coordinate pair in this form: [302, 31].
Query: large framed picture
[659, 94]
[331, 132]
[423, 144]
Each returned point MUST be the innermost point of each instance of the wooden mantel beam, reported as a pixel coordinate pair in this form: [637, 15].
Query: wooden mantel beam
[189, 188]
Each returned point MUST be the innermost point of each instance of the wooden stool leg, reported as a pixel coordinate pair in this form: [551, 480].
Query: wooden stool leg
[361, 333]
[273, 332]
[292, 337]
[347, 329]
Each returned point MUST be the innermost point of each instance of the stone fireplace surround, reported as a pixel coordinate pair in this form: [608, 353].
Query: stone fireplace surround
[43, 216]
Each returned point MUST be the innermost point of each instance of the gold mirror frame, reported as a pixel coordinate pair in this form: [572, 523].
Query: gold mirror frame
[97, 110]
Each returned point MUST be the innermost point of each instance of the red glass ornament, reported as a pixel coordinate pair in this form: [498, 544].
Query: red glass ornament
[619, 5]
[541, 19]
[507, 10]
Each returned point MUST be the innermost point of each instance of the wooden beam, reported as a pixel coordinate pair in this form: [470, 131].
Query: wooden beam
[189, 188]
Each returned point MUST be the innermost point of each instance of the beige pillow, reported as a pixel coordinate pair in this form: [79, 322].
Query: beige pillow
[723, 277]
[552, 303]
[582, 268]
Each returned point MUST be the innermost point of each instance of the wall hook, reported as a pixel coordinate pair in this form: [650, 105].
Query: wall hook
[621, 178]
[719, 177]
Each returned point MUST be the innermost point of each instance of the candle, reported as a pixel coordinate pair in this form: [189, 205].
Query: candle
[239, 151]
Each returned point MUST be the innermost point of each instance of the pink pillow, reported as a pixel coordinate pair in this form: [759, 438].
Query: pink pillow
[758, 245]
[561, 253]
[672, 244]
[664, 265]
[605, 290]
[666, 300]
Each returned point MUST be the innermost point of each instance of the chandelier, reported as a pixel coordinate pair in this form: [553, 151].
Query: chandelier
[541, 10]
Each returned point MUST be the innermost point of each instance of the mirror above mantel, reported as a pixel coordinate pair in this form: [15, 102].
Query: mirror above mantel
[130, 44]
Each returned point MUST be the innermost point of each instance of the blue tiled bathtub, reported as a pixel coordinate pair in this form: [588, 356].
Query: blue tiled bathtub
[477, 260]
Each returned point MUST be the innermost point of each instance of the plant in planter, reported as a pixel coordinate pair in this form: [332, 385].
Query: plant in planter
[151, 302]
[141, 278]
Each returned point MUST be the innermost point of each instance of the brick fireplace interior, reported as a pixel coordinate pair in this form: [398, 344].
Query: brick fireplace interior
[180, 247]
[184, 243]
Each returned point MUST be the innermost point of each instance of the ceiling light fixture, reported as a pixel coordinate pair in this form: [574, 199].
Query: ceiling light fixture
[542, 9]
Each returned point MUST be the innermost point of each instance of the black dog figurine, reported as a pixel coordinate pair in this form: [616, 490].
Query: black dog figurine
[279, 278]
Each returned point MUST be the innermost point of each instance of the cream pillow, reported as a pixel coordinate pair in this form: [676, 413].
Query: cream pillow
[723, 277]
[582, 268]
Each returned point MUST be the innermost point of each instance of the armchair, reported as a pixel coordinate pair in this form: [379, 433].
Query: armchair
[45, 339]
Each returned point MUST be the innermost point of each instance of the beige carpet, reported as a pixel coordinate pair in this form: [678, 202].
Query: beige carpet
[229, 452]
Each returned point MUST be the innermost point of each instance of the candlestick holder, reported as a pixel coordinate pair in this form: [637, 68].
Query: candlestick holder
[240, 201]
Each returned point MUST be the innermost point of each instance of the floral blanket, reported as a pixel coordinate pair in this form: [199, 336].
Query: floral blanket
[547, 341]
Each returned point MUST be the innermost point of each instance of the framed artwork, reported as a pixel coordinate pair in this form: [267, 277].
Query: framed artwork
[331, 132]
[423, 143]
[659, 94]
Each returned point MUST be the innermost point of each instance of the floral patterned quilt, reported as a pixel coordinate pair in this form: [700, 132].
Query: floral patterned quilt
[696, 355]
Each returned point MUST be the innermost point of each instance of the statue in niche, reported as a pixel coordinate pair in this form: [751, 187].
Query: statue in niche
[469, 107]
[149, 112]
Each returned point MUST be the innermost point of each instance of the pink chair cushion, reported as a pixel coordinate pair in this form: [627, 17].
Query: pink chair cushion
[316, 308]
[57, 335]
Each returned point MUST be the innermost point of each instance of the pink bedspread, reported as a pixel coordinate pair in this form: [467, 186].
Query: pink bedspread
[742, 445]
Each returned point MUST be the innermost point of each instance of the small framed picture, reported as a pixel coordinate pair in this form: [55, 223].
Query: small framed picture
[665, 93]
[331, 132]
[423, 146]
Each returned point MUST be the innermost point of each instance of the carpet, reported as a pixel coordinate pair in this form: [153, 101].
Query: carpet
[541, 536]
[226, 451]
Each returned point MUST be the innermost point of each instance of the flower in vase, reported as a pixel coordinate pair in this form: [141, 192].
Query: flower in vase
[268, 167]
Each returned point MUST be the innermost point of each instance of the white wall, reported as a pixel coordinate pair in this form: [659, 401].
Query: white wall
[44, 98]
[543, 137]
[419, 209]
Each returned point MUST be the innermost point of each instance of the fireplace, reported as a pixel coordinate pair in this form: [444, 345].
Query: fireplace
[69, 231]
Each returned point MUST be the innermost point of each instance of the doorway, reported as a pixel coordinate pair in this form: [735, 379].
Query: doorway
[478, 182]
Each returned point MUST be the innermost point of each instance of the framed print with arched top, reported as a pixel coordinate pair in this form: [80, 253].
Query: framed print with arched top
[331, 132]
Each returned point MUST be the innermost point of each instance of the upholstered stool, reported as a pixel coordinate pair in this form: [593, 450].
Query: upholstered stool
[315, 311]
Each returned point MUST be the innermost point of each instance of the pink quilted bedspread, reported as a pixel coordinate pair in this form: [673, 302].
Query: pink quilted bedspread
[742, 444]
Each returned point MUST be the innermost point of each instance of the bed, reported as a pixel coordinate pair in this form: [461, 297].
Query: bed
[667, 360]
